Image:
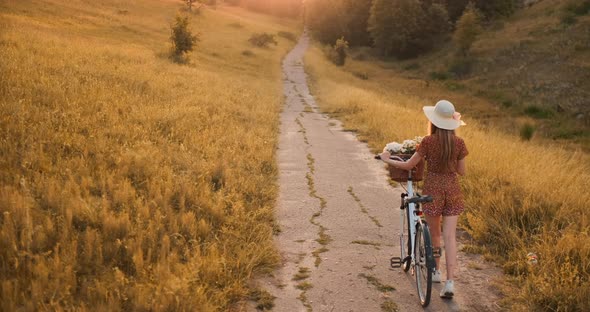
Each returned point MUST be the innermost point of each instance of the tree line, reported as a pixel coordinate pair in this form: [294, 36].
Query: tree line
[402, 28]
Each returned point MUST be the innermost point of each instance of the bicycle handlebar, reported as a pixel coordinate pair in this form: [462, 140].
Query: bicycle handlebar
[390, 157]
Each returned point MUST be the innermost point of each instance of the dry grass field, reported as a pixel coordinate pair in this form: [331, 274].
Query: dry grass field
[129, 182]
[522, 196]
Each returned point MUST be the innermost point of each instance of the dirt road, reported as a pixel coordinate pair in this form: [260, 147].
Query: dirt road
[339, 220]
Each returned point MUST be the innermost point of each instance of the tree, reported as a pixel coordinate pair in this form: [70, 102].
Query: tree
[406, 28]
[496, 8]
[325, 19]
[488, 8]
[356, 15]
[340, 51]
[182, 38]
[467, 30]
[380, 25]
[455, 8]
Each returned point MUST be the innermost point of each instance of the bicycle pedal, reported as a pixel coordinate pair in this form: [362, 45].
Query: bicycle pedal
[395, 262]
[436, 252]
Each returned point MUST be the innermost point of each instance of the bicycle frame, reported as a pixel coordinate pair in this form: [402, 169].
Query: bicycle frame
[413, 219]
[410, 213]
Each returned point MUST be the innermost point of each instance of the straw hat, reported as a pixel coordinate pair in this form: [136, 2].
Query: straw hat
[443, 115]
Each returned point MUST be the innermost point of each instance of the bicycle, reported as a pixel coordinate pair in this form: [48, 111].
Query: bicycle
[416, 250]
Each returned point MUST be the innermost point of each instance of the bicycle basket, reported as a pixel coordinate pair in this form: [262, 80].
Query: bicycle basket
[400, 175]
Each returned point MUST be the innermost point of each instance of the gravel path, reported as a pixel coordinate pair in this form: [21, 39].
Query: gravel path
[339, 218]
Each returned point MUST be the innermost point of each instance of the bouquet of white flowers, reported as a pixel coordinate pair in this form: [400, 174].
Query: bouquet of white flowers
[406, 147]
[405, 150]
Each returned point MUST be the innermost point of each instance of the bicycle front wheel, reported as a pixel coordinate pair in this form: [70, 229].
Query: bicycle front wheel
[422, 267]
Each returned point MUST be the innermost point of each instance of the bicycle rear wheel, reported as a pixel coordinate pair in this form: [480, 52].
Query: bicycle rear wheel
[405, 242]
[423, 269]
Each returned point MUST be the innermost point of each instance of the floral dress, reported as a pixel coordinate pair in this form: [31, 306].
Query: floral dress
[442, 185]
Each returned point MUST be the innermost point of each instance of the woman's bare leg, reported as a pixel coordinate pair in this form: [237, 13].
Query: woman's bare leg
[434, 224]
[450, 239]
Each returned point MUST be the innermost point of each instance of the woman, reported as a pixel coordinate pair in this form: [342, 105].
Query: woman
[444, 153]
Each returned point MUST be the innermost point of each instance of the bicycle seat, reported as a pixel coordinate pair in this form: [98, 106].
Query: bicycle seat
[420, 199]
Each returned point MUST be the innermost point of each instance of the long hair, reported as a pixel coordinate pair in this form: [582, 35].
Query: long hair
[446, 139]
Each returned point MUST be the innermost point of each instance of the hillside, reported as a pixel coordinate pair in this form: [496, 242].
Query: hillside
[514, 187]
[129, 182]
[531, 68]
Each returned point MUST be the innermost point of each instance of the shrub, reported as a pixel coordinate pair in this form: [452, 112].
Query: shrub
[526, 131]
[496, 8]
[454, 86]
[362, 76]
[337, 54]
[182, 39]
[439, 75]
[340, 49]
[406, 28]
[247, 53]
[578, 7]
[572, 10]
[262, 40]
[287, 35]
[412, 66]
[537, 112]
[468, 28]
[461, 67]
[568, 19]
[328, 20]
[360, 57]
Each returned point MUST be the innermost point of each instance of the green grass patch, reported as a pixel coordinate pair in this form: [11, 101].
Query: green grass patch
[527, 131]
[454, 86]
[568, 134]
[537, 112]
[473, 249]
[264, 300]
[436, 75]
[377, 283]
[412, 66]
[578, 8]
[302, 274]
[304, 286]
[461, 67]
[389, 306]
[365, 242]
[323, 239]
[316, 253]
